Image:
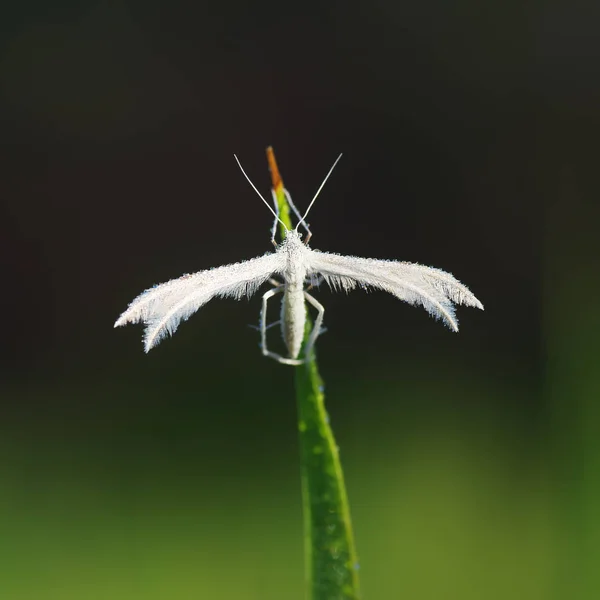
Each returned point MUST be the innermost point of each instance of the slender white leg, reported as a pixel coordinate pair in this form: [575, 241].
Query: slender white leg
[297, 213]
[269, 326]
[288, 197]
[274, 228]
[316, 330]
[312, 338]
[263, 317]
[263, 329]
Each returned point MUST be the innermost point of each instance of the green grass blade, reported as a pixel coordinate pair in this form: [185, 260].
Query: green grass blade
[331, 562]
[330, 552]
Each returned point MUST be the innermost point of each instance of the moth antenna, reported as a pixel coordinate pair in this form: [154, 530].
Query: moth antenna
[319, 191]
[259, 194]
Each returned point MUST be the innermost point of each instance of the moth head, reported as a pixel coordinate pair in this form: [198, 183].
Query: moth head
[293, 235]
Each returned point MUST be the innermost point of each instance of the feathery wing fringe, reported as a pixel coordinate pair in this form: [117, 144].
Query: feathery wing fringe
[434, 289]
[164, 306]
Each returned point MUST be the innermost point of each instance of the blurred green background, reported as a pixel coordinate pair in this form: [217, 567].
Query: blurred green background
[470, 134]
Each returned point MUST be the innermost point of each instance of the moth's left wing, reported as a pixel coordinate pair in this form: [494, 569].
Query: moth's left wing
[434, 289]
[164, 306]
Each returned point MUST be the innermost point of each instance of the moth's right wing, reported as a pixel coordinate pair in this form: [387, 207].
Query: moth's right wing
[162, 307]
[434, 289]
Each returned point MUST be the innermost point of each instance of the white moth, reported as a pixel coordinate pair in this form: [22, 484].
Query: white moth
[162, 307]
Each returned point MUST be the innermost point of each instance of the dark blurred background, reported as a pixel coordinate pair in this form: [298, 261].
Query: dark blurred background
[470, 138]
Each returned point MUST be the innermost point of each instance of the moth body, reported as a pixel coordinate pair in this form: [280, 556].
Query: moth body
[293, 320]
[293, 304]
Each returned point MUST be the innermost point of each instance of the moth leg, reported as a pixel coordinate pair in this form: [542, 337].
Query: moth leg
[297, 213]
[275, 283]
[263, 317]
[263, 330]
[274, 228]
[274, 324]
[269, 326]
[312, 338]
[316, 330]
